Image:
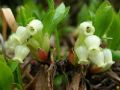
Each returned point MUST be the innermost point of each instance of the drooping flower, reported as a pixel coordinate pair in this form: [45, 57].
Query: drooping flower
[22, 33]
[97, 58]
[21, 51]
[82, 54]
[34, 26]
[12, 42]
[86, 28]
[108, 58]
[92, 42]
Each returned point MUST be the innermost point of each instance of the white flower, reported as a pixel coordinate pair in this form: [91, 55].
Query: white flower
[34, 26]
[108, 58]
[86, 28]
[82, 54]
[21, 51]
[12, 42]
[22, 33]
[92, 42]
[97, 58]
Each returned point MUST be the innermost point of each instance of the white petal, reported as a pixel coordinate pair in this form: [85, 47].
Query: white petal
[97, 58]
[82, 54]
[108, 57]
[21, 51]
[12, 42]
[92, 42]
[86, 28]
[22, 33]
[34, 26]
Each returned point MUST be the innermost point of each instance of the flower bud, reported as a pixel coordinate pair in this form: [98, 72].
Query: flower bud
[82, 54]
[108, 58]
[97, 58]
[22, 33]
[86, 28]
[21, 51]
[92, 42]
[34, 26]
[46, 42]
[34, 46]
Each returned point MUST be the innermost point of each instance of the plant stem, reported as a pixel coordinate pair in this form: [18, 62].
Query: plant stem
[18, 77]
[57, 44]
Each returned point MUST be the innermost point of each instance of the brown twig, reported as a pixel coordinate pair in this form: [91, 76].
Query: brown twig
[114, 76]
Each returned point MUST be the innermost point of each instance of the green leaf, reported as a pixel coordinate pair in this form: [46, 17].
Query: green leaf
[21, 17]
[94, 4]
[60, 10]
[114, 32]
[47, 21]
[54, 17]
[84, 14]
[6, 77]
[57, 39]
[116, 55]
[60, 13]
[12, 65]
[17, 76]
[18, 86]
[51, 4]
[103, 18]
[58, 81]
[2, 59]
[29, 11]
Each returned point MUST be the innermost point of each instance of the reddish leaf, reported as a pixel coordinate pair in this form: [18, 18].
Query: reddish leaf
[42, 54]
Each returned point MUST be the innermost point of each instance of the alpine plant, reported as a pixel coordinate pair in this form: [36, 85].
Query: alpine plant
[19, 42]
[87, 48]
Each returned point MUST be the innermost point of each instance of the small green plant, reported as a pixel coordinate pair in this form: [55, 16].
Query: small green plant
[32, 36]
[97, 26]
[88, 50]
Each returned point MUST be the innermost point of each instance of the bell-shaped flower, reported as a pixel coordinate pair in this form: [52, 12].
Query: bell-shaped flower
[86, 28]
[21, 51]
[34, 26]
[12, 42]
[92, 42]
[22, 33]
[97, 58]
[82, 54]
[108, 58]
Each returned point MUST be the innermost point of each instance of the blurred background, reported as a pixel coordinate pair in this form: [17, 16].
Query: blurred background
[75, 6]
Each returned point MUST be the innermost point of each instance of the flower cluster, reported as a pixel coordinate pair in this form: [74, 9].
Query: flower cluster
[17, 41]
[88, 50]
